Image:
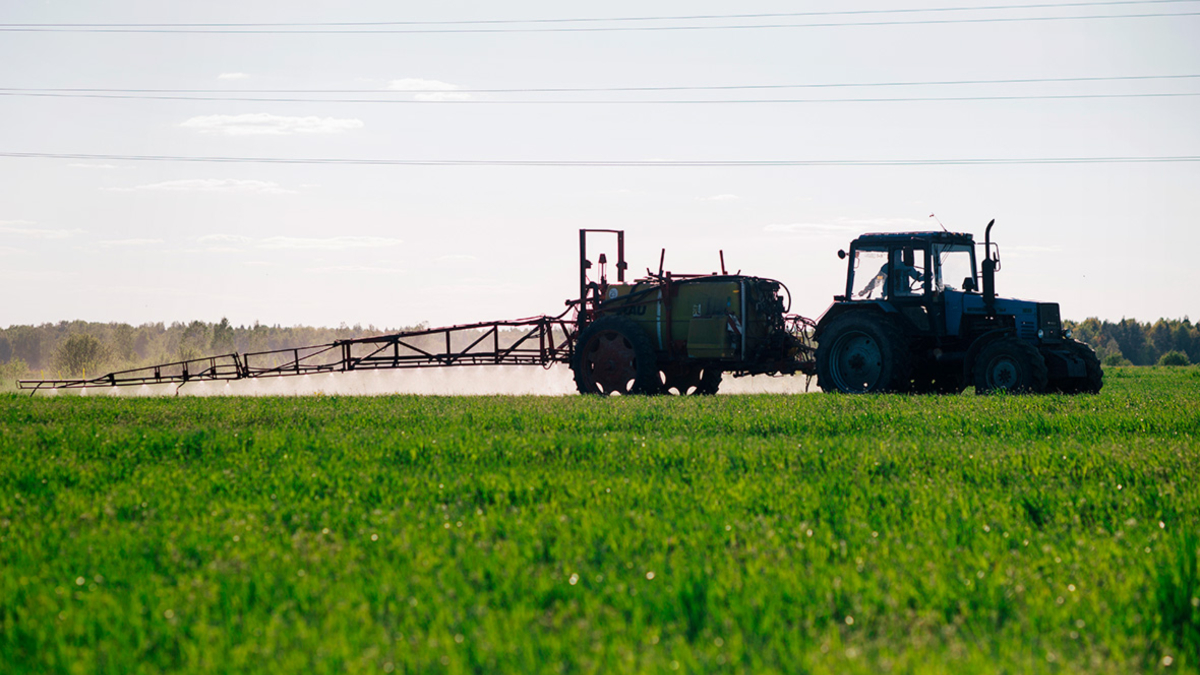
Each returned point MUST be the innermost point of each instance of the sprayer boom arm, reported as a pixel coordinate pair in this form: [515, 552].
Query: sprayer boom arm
[536, 341]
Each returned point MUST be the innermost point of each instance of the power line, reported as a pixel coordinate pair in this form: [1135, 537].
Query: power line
[983, 161]
[903, 99]
[513, 90]
[10, 28]
[694, 17]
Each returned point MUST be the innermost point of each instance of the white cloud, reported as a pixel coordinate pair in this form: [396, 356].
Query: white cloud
[229, 243]
[430, 90]
[721, 198]
[20, 228]
[93, 166]
[328, 244]
[111, 243]
[233, 76]
[8, 250]
[212, 185]
[265, 124]
[225, 238]
[354, 269]
[457, 258]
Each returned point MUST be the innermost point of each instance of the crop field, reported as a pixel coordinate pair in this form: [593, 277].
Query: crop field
[768, 533]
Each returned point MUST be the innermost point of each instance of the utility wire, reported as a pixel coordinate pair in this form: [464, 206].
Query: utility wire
[694, 17]
[586, 29]
[614, 163]
[1038, 80]
[904, 99]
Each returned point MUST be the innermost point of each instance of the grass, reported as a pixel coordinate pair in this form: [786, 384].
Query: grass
[813, 533]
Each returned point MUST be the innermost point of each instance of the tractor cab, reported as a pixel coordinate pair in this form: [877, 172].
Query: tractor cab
[923, 276]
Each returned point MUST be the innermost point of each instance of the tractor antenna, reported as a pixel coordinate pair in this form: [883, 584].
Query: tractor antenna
[939, 222]
[723, 272]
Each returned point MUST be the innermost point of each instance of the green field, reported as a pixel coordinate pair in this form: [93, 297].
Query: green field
[811, 533]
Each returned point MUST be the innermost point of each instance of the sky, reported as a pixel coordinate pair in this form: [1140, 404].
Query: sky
[100, 236]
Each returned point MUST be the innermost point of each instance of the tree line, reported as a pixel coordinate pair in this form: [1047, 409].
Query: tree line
[1130, 342]
[73, 348]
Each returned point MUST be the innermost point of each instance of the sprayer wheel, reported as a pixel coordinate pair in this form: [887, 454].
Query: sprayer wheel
[614, 355]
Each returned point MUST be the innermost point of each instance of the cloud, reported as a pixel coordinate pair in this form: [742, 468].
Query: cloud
[230, 243]
[93, 166]
[212, 185]
[233, 76]
[225, 238]
[327, 244]
[841, 225]
[354, 269]
[430, 90]
[457, 258]
[721, 198]
[264, 124]
[8, 250]
[112, 243]
[20, 228]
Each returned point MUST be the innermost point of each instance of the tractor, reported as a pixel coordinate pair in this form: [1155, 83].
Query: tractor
[915, 318]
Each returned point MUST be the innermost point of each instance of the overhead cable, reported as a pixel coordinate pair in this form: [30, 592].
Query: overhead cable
[580, 29]
[522, 90]
[904, 99]
[692, 17]
[978, 161]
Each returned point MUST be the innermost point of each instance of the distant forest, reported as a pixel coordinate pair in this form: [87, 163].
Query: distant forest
[69, 348]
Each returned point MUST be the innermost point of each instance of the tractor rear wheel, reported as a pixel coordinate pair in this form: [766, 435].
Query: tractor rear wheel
[694, 380]
[1089, 383]
[1010, 365]
[863, 353]
[613, 355]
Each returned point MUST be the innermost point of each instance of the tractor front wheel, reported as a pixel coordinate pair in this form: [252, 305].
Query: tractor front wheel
[613, 355]
[1012, 366]
[1092, 381]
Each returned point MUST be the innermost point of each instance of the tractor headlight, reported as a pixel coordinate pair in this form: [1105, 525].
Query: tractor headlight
[1041, 333]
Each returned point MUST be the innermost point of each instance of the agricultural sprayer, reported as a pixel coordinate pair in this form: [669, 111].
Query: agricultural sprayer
[901, 326]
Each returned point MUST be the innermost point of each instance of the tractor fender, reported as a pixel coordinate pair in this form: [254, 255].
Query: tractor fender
[839, 308]
[979, 345]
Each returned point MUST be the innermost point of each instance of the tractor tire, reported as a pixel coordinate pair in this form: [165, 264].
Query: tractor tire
[1010, 365]
[691, 380]
[1089, 383]
[613, 355]
[863, 353]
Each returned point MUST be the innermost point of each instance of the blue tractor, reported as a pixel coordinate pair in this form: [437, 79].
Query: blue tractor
[917, 317]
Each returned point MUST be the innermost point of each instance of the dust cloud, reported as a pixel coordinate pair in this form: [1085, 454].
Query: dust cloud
[465, 381]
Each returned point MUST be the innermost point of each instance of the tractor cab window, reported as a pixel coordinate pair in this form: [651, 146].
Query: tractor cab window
[882, 272]
[956, 268]
[908, 267]
[869, 273]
